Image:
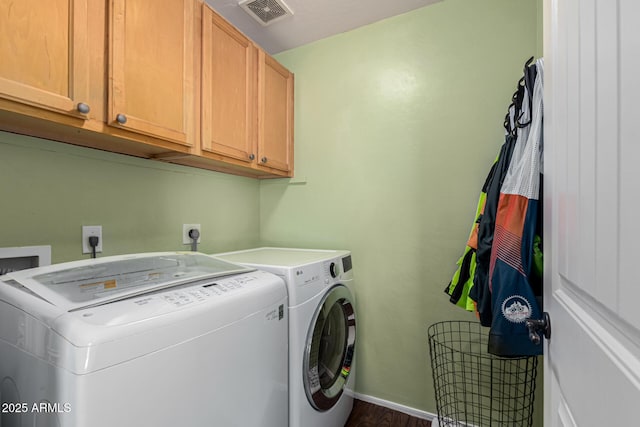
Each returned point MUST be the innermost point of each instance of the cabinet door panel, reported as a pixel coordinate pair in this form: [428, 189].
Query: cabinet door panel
[275, 142]
[151, 68]
[228, 89]
[44, 53]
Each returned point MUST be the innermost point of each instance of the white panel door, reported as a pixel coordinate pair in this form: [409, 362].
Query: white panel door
[592, 215]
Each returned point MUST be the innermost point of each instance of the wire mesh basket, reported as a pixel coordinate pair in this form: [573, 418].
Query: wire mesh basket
[475, 388]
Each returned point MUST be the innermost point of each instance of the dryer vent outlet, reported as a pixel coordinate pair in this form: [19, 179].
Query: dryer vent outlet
[266, 12]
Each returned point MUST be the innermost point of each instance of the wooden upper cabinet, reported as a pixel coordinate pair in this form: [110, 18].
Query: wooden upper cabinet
[43, 54]
[151, 68]
[164, 79]
[228, 89]
[275, 114]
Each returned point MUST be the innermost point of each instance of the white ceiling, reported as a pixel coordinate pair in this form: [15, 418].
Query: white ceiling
[312, 19]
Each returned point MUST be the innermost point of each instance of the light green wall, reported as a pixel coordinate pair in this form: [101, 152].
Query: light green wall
[397, 125]
[540, 28]
[49, 190]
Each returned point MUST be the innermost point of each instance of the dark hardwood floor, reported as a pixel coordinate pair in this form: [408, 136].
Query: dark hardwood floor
[369, 415]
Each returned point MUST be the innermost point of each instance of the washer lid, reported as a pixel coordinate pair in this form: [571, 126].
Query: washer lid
[88, 283]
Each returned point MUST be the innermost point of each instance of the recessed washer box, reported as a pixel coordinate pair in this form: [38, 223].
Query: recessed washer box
[23, 257]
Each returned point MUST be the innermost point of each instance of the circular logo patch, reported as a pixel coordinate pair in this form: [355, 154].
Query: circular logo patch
[516, 309]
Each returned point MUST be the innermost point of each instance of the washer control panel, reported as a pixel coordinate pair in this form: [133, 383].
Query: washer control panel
[166, 300]
[200, 293]
[183, 298]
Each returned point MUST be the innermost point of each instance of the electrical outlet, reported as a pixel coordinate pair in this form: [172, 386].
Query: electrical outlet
[186, 240]
[91, 230]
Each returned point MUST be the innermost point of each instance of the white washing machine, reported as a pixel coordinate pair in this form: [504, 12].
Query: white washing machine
[322, 330]
[162, 340]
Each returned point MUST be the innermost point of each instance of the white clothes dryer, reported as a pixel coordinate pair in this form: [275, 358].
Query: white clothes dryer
[322, 330]
[163, 340]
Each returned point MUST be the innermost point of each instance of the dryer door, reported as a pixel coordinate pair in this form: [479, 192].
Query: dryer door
[330, 348]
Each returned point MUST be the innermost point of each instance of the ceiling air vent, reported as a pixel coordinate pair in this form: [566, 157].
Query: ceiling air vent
[266, 12]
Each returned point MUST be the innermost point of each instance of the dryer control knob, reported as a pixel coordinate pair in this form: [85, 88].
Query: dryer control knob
[333, 269]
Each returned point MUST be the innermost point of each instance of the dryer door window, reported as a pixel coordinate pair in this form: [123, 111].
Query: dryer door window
[330, 348]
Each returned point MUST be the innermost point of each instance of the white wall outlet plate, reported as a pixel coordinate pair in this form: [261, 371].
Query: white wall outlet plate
[91, 230]
[186, 240]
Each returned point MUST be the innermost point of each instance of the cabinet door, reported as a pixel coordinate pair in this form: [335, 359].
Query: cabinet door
[275, 115]
[151, 68]
[43, 50]
[228, 89]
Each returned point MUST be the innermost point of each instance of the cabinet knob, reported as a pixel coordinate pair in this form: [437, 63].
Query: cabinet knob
[121, 118]
[263, 160]
[252, 156]
[83, 108]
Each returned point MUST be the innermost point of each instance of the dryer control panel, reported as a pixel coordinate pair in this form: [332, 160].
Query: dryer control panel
[325, 273]
[336, 267]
